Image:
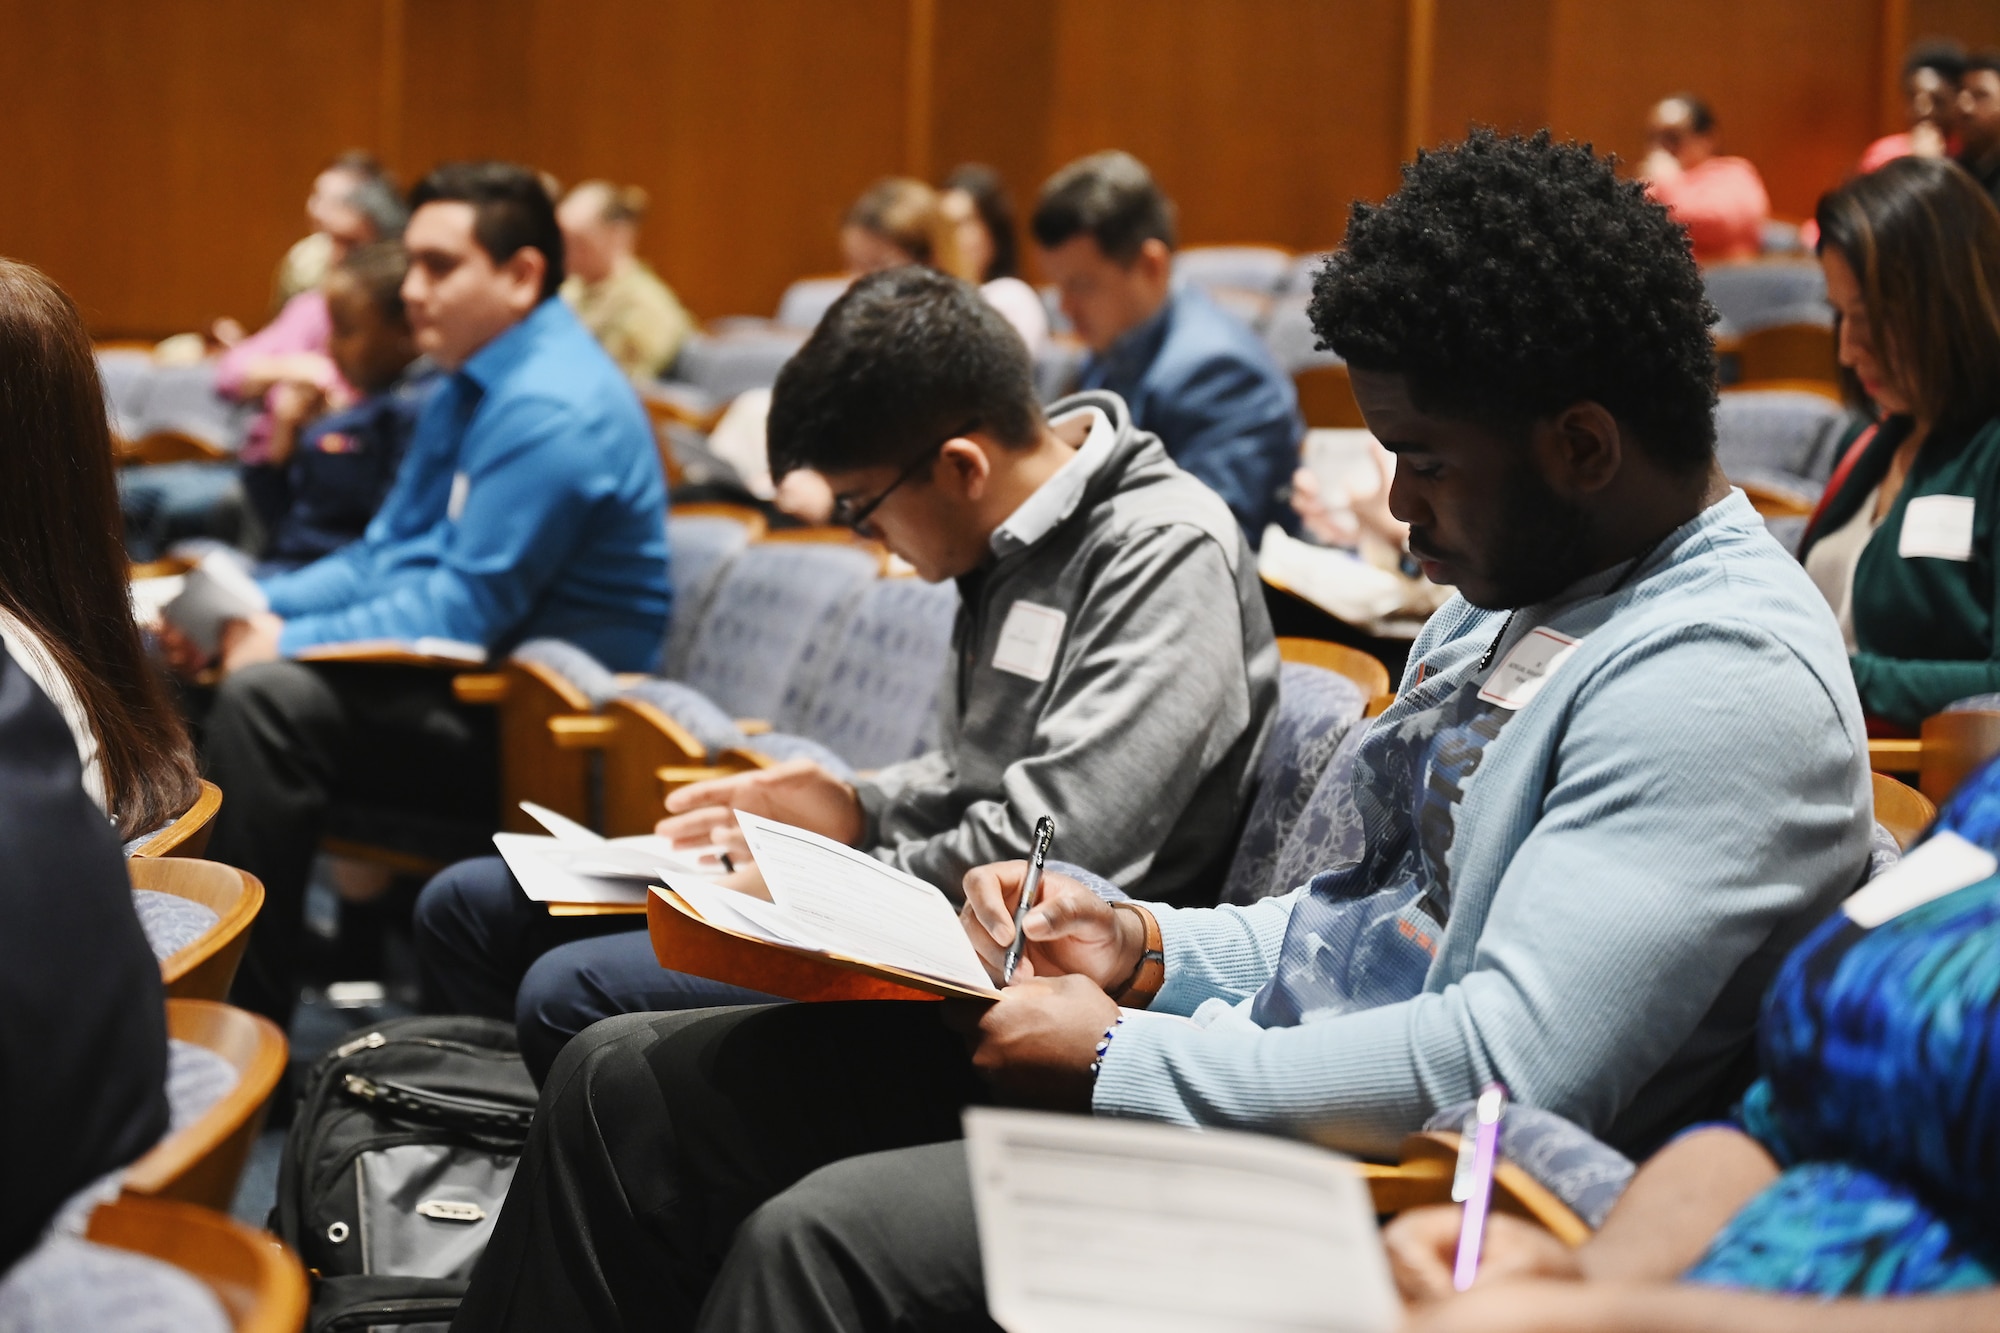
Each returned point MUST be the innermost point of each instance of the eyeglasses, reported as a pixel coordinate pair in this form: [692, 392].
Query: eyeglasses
[847, 516]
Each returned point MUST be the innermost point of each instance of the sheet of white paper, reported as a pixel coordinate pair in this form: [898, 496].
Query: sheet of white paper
[641, 856]
[740, 912]
[1104, 1226]
[215, 591]
[856, 905]
[561, 827]
[546, 870]
[1944, 864]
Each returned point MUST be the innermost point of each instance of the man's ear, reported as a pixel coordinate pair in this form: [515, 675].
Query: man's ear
[1581, 449]
[965, 467]
[524, 271]
[1154, 260]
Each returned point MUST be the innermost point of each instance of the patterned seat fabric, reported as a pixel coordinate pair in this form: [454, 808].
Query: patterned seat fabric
[870, 692]
[1585, 1174]
[197, 1078]
[715, 729]
[1248, 268]
[782, 746]
[1977, 703]
[67, 1283]
[805, 302]
[721, 366]
[1780, 436]
[1764, 295]
[1289, 333]
[702, 546]
[774, 602]
[1317, 709]
[170, 921]
[574, 665]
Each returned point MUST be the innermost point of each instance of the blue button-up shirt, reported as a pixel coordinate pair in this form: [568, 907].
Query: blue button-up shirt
[531, 504]
[1197, 377]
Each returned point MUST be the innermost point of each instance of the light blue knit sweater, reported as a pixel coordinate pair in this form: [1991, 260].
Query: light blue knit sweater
[1618, 870]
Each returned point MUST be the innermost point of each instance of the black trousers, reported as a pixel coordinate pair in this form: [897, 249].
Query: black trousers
[791, 1167]
[285, 740]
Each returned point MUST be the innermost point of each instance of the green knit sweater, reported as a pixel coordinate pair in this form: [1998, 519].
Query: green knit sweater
[1924, 625]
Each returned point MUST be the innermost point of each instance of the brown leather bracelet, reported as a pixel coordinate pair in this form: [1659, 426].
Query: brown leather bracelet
[1144, 984]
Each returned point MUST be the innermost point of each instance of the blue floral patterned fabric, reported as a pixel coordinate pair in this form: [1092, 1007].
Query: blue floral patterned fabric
[1881, 1099]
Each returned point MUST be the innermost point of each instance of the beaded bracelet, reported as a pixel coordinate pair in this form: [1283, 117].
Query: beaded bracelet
[1104, 1044]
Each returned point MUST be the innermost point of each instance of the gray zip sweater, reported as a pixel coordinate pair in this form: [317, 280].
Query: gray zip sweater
[1112, 666]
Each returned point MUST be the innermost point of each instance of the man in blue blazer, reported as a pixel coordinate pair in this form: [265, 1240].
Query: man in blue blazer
[1191, 372]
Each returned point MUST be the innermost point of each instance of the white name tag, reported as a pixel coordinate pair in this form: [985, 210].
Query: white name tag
[1029, 638]
[1945, 864]
[461, 486]
[1938, 526]
[1527, 667]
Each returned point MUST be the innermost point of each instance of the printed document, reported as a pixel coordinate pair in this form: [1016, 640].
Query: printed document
[576, 865]
[1104, 1226]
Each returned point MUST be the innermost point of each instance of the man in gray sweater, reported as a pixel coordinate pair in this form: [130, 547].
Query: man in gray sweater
[1112, 665]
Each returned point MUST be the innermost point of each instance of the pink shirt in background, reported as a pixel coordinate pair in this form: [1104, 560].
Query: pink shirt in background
[1884, 150]
[303, 325]
[1723, 205]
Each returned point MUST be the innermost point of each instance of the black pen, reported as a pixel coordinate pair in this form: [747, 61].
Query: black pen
[1045, 833]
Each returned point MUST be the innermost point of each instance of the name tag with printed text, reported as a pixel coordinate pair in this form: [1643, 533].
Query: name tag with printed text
[1029, 638]
[1938, 526]
[1527, 667]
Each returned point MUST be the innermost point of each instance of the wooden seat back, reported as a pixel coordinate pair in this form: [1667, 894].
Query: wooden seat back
[170, 446]
[202, 1162]
[1326, 399]
[258, 1281]
[533, 767]
[1953, 745]
[1423, 1177]
[1784, 352]
[188, 835]
[1904, 811]
[203, 969]
[1357, 666]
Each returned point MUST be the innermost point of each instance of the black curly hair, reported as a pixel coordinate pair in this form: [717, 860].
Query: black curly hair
[1510, 278]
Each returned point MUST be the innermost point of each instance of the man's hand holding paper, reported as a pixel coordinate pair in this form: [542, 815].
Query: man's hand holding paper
[798, 792]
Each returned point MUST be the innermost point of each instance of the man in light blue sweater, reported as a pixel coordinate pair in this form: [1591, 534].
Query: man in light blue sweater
[1625, 771]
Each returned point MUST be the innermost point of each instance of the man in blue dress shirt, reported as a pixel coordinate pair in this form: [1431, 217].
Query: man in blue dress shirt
[530, 505]
[1192, 373]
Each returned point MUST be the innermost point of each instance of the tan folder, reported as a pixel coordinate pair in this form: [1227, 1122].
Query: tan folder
[683, 941]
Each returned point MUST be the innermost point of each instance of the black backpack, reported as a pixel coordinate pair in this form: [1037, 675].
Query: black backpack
[397, 1162]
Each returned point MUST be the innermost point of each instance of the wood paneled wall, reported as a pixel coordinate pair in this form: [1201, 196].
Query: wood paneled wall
[157, 152]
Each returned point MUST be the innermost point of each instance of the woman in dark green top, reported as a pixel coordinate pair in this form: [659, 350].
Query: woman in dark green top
[1906, 544]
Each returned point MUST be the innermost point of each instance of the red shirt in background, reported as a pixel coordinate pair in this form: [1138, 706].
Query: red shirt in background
[1722, 204]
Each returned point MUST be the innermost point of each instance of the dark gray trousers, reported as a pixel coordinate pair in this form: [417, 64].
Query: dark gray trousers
[787, 1167]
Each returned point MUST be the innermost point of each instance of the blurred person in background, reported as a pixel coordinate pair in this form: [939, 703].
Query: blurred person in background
[1720, 200]
[1931, 74]
[1979, 120]
[617, 296]
[310, 258]
[986, 252]
[1906, 543]
[1192, 373]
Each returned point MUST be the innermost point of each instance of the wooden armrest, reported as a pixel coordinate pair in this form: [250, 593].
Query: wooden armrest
[679, 775]
[1895, 756]
[753, 726]
[1378, 705]
[385, 652]
[597, 909]
[480, 688]
[582, 732]
[627, 679]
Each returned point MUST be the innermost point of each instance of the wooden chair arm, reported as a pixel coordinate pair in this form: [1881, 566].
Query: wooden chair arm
[680, 775]
[1895, 756]
[381, 652]
[753, 726]
[583, 731]
[597, 909]
[480, 688]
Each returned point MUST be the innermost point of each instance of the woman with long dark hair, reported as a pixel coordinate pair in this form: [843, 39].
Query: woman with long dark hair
[65, 591]
[1906, 543]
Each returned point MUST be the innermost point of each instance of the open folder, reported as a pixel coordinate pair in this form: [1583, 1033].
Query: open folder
[576, 870]
[1104, 1226]
[839, 925]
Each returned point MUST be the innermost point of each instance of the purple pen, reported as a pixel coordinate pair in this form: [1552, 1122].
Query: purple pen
[1477, 1192]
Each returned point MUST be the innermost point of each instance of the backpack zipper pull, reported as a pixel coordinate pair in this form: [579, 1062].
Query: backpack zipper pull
[367, 1043]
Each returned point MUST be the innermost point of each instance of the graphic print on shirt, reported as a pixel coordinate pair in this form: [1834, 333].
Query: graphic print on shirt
[1366, 930]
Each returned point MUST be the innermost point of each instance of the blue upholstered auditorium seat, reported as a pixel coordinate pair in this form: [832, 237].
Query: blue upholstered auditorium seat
[1304, 270]
[1781, 436]
[1288, 332]
[1317, 709]
[702, 546]
[720, 366]
[69, 1283]
[695, 711]
[1586, 1174]
[806, 301]
[771, 605]
[869, 691]
[1976, 703]
[1245, 268]
[1763, 294]
[573, 664]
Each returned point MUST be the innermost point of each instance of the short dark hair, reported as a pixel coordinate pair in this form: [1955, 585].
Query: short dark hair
[905, 359]
[1701, 116]
[1986, 62]
[1511, 277]
[511, 210]
[1110, 195]
[1942, 54]
[378, 271]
